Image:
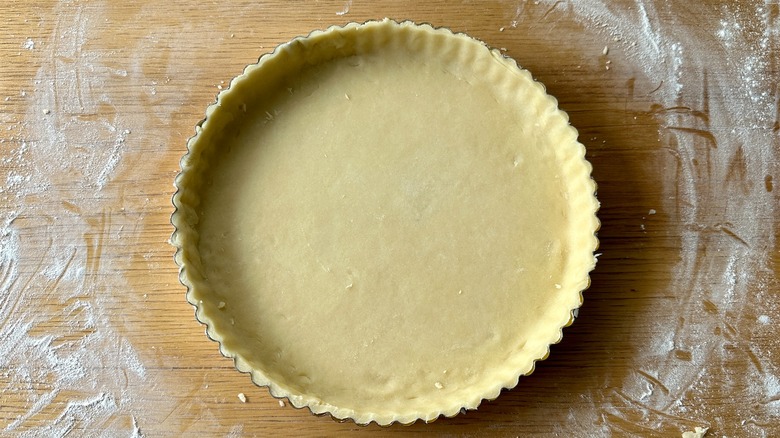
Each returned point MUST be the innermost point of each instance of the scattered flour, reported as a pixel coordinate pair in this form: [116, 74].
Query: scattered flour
[717, 106]
[236, 431]
[698, 432]
[70, 363]
[136, 433]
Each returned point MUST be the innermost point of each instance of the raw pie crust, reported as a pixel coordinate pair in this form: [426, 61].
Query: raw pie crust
[385, 222]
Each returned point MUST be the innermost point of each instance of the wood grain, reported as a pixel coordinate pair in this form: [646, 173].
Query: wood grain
[175, 55]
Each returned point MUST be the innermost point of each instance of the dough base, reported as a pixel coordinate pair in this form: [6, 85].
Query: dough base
[389, 227]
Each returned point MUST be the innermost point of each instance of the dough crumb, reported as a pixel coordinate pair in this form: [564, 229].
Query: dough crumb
[242, 397]
[47, 111]
[698, 432]
[221, 305]
[345, 11]
[281, 403]
[605, 52]
[438, 385]
[346, 95]
[500, 29]
[652, 211]
[557, 286]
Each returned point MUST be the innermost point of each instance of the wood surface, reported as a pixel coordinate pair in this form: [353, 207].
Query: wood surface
[175, 55]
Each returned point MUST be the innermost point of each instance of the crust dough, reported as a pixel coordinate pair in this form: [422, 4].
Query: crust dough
[385, 222]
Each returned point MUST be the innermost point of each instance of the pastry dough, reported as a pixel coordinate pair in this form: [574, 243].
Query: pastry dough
[385, 222]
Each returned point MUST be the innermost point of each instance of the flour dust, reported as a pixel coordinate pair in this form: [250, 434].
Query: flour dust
[717, 108]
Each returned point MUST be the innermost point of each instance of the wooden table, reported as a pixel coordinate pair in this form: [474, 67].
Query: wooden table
[677, 105]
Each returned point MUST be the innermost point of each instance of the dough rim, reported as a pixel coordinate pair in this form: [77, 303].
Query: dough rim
[184, 237]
